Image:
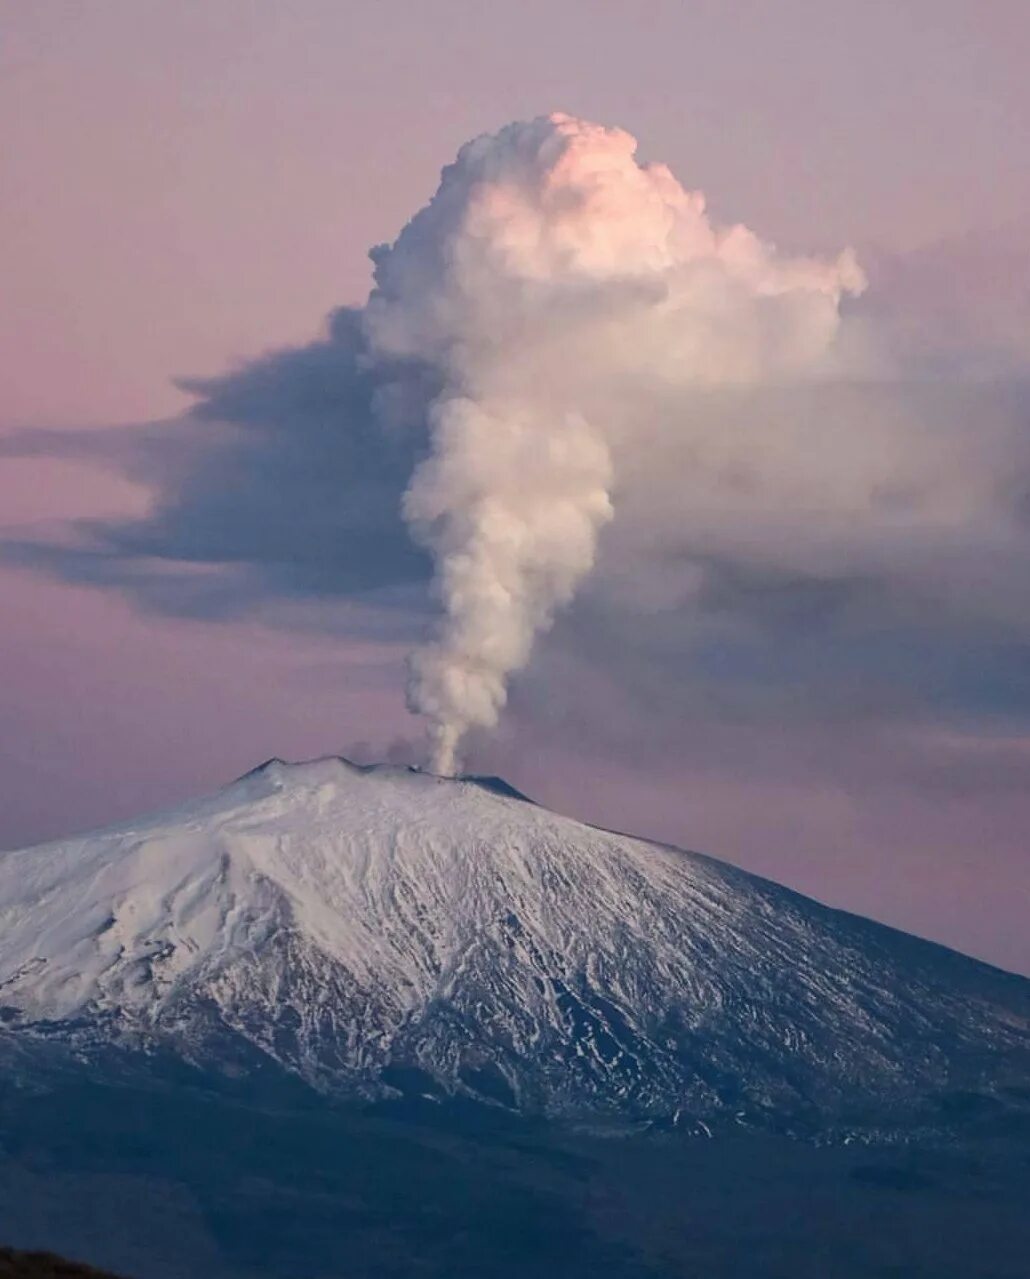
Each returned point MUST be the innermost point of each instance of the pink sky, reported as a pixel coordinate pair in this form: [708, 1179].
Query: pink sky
[188, 185]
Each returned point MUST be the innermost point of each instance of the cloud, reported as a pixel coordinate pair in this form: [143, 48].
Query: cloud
[956, 308]
[560, 287]
[282, 488]
[780, 506]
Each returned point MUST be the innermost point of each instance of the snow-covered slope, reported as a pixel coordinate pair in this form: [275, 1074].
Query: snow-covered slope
[380, 929]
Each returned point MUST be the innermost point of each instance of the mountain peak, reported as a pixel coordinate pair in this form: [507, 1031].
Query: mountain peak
[366, 925]
[327, 769]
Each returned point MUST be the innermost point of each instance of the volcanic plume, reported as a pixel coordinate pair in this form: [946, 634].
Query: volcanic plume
[550, 285]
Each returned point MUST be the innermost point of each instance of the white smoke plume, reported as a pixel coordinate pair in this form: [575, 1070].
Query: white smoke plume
[558, 290]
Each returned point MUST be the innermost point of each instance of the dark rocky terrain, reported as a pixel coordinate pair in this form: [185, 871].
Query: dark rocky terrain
[44, 1265]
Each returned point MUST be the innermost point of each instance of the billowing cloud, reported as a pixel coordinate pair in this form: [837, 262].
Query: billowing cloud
[564, 292]
[739, 492]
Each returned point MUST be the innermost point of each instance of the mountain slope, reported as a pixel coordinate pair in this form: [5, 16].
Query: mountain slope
[381, 931]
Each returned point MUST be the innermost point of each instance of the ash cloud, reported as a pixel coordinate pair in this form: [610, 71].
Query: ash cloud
[282, 488]
[699, 480]
[554, 282]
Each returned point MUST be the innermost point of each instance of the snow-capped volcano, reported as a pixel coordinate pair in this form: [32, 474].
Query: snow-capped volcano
[380, 929]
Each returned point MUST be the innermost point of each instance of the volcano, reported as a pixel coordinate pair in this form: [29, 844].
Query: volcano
[370, 1023]
[382, 933]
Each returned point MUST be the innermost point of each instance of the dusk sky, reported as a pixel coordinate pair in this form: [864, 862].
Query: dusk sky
[800, 637]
